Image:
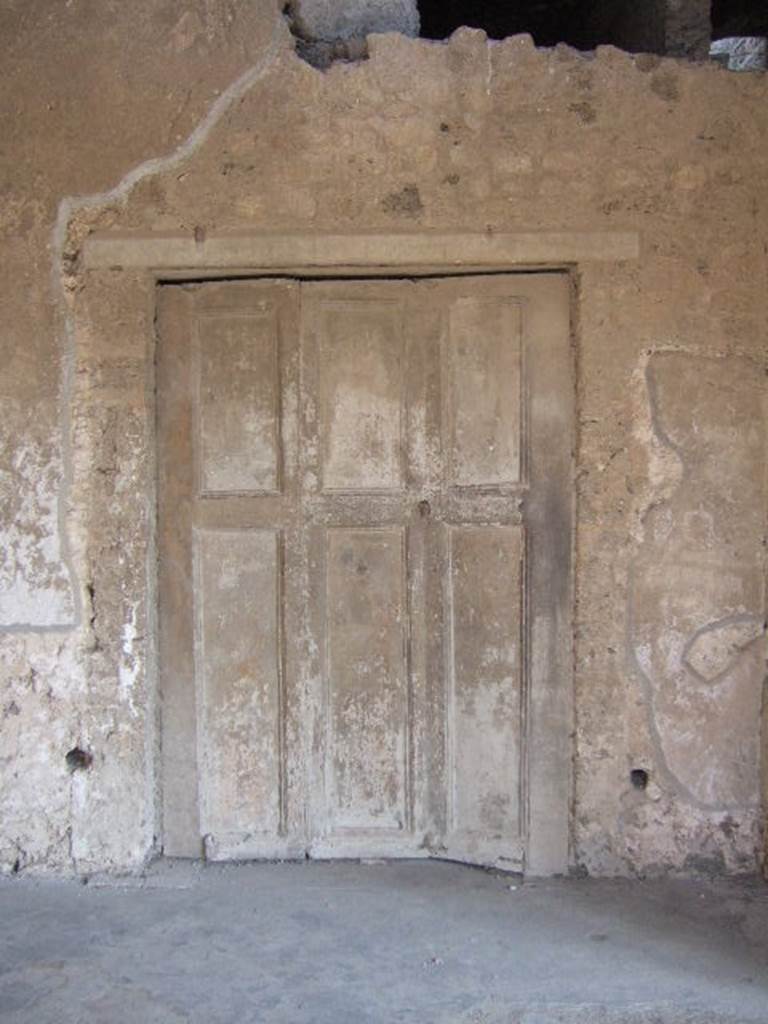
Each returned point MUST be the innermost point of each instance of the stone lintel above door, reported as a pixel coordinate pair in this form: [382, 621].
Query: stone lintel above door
[176, 254]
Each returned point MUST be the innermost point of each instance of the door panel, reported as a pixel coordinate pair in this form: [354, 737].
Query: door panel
[239, 670]
[230, 571]
[481, 356]
[484, 673]
[238, 402]
[356, 461]
[360, 369]
[364, 519]
[367, 678]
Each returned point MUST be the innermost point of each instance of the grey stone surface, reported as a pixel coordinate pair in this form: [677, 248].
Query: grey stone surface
[741, 53]
[376, 944]
[329, 20]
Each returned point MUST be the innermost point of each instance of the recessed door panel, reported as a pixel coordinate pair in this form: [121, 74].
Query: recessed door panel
[239, 393]
[367, 678]
[485, 681]
[238, 604]
[360, 369]
[482, 360]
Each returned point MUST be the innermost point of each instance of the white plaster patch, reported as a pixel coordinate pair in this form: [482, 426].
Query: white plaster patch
[700, 683]
[665, 467]
[129, 668]
[35, 590]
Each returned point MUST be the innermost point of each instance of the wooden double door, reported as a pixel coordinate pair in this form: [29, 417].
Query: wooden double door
[364, 565]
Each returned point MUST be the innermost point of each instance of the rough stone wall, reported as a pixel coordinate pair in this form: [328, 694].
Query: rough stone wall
[688, 28]
[670, 350]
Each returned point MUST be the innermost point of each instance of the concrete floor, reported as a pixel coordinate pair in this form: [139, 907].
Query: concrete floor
[349, 943]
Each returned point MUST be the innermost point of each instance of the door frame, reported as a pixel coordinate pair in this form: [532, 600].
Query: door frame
[138, 263]
[547, 416]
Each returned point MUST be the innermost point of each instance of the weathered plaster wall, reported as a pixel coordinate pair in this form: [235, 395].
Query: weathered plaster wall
[670, 350]
[90, 90]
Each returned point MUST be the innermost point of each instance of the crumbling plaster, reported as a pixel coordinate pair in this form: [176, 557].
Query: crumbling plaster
[467, 135]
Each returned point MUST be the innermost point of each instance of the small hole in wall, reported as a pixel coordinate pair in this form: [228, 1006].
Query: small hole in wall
[639, 778]
[78, 760]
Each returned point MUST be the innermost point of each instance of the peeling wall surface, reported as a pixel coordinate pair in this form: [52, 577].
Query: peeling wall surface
[201, 120]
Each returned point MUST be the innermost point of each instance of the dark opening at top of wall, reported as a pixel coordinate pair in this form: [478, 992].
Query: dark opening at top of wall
[732, 18]
[548, 21]
[329, 30]
[638, 27]
[679, 28]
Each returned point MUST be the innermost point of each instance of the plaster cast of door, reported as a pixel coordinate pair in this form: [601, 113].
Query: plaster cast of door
[365, 532]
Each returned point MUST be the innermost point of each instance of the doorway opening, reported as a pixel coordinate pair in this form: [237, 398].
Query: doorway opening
[365, 546]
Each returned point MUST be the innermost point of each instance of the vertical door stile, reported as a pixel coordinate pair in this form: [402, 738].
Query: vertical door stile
[182, 836]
